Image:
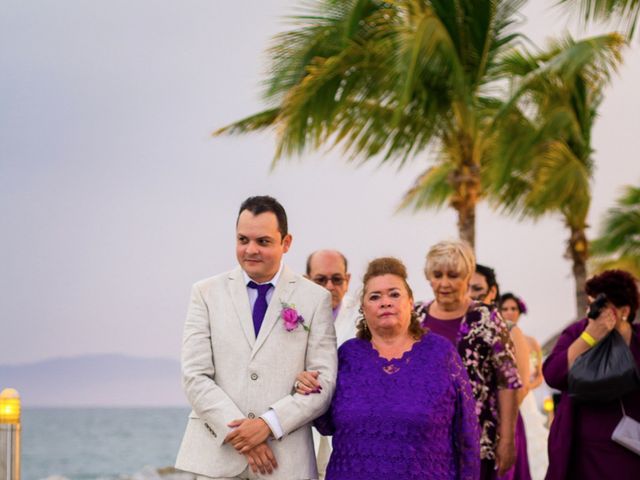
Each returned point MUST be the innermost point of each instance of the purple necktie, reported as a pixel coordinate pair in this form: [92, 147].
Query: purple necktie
[260, 307]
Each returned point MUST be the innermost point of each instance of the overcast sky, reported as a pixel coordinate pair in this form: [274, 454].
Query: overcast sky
[114, 199]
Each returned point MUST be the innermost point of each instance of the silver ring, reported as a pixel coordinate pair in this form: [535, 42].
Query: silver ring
[296, 385]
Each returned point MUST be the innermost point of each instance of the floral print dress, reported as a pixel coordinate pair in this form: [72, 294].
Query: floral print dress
[487, 352]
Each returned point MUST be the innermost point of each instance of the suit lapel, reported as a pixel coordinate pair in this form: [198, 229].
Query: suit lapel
[240, 301]
[281, 294]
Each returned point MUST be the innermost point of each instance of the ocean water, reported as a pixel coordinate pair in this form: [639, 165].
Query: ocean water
[99, 443]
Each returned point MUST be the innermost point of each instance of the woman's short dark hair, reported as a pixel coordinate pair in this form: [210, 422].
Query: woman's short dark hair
[377, 268]
[264, 203]
[522, 308]
[620, 287]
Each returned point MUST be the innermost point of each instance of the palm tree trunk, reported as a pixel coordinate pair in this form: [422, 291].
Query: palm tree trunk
[577, 251]
[467, 224]
[465, 181]
[467, 187]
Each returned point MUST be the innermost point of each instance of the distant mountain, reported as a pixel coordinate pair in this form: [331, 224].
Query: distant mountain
[96, 380]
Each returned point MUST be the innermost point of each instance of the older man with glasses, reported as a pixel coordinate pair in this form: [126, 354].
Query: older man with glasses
[328, 268]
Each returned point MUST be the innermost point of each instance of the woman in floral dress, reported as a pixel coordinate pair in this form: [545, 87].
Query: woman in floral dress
[483, 342]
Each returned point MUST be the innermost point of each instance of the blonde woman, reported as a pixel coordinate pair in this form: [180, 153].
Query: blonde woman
[482, 339]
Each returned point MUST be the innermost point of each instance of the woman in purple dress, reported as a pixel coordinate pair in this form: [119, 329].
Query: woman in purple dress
[482, 339]
[580, 444]
[531, 422]
[403, 407]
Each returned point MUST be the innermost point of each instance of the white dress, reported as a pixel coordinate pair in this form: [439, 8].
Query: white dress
[536, 432]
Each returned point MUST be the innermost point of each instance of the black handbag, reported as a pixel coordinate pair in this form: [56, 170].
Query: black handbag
[605, 372]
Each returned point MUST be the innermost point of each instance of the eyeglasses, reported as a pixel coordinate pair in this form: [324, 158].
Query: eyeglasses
[337, 280]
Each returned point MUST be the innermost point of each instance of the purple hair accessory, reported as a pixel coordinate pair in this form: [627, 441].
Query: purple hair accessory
[521, 305]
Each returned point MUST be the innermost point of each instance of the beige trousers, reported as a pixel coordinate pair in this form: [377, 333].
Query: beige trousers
[324, 452]
[247, 474]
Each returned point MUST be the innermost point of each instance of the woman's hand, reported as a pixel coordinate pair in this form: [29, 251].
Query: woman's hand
[598, 329]
[307, 382]
[601, 326]
[505, 455]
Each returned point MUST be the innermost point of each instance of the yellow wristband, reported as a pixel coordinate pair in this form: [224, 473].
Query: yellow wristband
[588, 338]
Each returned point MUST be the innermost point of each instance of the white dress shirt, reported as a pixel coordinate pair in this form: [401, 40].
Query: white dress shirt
[269, 416]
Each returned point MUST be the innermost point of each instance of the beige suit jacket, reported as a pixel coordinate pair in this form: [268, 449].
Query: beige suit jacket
[228, 373]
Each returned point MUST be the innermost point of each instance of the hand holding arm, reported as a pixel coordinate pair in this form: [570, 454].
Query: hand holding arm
[293, 411]
[307, 382]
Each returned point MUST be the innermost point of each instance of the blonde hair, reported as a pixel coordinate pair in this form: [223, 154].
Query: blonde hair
[451, 254]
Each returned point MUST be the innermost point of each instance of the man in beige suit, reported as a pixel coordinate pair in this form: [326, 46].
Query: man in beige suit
[248, 333]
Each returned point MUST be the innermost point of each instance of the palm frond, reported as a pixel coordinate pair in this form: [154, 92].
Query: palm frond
[565, 64]
[630, 197]
[431, 189]
[252, 123]
[630, 264]
[623, 13]
[562, 184]
[425, 50]
[321, 29]
[620, 233]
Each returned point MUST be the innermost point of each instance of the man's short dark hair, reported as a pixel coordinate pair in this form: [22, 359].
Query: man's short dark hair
[344, 259]
[489, 275]
[264, 203]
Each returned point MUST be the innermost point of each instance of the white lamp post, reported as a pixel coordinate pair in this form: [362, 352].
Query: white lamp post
[9, 434]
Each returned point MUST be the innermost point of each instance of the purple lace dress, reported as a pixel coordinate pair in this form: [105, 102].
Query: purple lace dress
[407, 418]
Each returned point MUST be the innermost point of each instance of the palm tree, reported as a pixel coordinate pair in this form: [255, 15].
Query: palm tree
[618, 245]
[545, 158]
[393, 80]
[623, 11]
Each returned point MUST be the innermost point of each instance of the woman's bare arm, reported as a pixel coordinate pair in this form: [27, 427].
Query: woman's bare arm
[522, 361]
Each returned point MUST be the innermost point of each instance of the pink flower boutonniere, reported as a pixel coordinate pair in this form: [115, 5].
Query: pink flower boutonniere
[291, 318]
